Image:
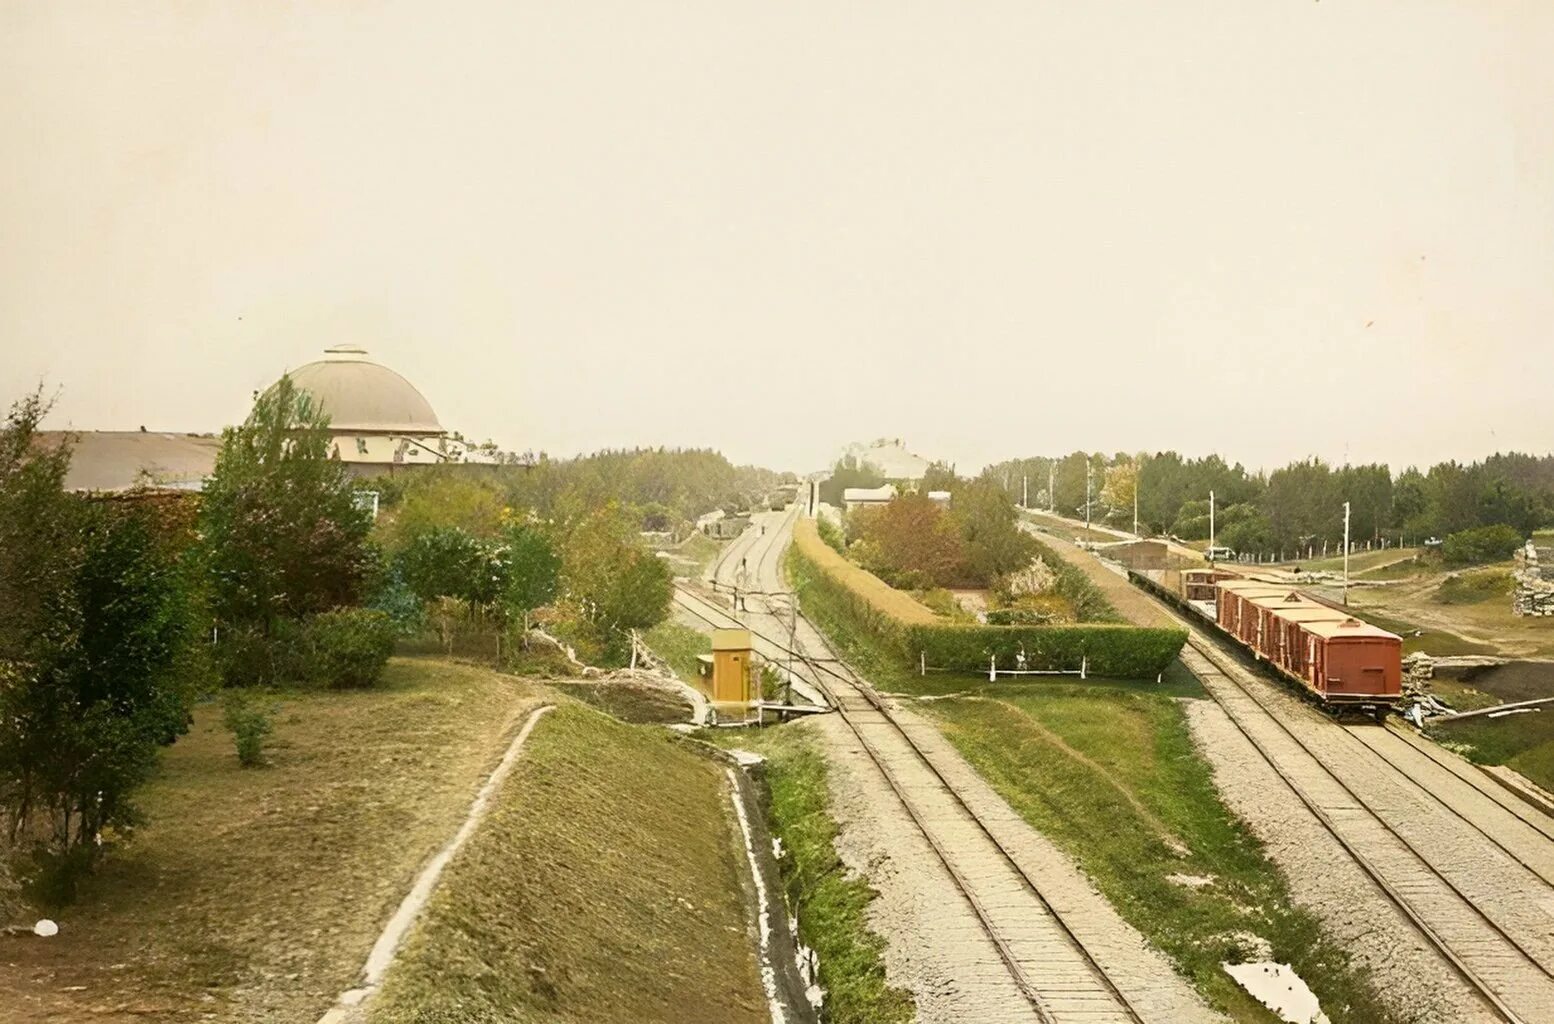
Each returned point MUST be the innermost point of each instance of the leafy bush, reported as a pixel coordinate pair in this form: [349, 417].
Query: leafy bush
[395, 598]
[250, 722]
[1481, 544]
[1475, 587]
[832, 535]
[347, 648]
[245, 656]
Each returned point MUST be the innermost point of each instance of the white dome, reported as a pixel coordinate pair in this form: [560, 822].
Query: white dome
[362, 397]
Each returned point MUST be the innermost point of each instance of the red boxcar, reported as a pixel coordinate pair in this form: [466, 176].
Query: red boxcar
[1335, 656]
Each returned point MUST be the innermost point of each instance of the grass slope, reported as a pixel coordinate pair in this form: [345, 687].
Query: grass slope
[1524, 742]
[254, 895]
[1110, 774]
[604, 886]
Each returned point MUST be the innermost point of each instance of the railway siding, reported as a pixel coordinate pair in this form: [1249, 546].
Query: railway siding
[1493, 956]
[1069, 952]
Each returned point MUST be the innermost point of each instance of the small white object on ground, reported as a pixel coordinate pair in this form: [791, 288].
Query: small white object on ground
[1279, 988]
[746, 758]
[45, 929]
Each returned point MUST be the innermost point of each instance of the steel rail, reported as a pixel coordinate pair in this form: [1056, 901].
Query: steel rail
[1466, 972]
[868, 695]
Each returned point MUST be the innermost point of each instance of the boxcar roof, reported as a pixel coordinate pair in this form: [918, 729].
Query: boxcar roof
[1350, 627]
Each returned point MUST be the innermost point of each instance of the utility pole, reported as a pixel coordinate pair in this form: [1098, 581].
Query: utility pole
[1087, 497]
[1052, 493]
[1211, 527]
[1135, 501]
[1346, 554]
[1025, 490]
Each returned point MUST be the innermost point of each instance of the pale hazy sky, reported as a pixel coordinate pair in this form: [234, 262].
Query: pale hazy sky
[1268, 227]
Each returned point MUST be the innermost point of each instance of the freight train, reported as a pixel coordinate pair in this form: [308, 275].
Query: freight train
[1340, 661]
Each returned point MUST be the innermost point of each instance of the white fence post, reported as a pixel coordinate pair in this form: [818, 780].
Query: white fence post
[1084, 667]
[922, 663]
[992, 669]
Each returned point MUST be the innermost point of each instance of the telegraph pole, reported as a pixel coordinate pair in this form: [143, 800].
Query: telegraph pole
[1052, 493]
[1025, 491]
[1135, 501]
[1087, 497]
[1346, 554]
[1211, 527]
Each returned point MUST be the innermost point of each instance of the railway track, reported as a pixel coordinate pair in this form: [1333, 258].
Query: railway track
[1059, 977]
[1512, 980]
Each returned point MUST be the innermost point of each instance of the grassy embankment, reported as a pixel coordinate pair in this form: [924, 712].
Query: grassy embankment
[254, 894]
[604, 885]
[1107, 770]
[1072, 532]
[1524, 742]
[830, 902]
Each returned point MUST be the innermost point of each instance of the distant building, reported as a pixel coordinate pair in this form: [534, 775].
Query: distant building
[121, 460]
[939, 497]
[857, 497]
[379, 424]
[891, 458]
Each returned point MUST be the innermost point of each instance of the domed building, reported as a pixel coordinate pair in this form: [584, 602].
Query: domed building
[379, 420]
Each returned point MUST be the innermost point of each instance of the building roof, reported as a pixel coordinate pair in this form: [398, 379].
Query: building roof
[361, 396]
[731, 640]
[884, 492]
[119, 460]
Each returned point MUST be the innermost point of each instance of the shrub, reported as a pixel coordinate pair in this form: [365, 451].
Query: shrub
[1481, 544]
[831, 534]
[347, 648]
[249, 722]
[247, 656]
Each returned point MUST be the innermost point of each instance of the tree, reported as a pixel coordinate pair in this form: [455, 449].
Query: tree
[911, 536]
[1120, 487]
[939, 476]
[283, 535]
[444, 496]
[849, 472]
[616, 583]
[103, 672]
[989, 524]
[1481, 544]
[533, 572]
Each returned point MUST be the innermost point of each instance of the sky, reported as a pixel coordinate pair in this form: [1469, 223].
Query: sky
[1271, 229]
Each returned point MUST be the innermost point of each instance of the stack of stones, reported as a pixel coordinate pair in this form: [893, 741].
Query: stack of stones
[1534, 582]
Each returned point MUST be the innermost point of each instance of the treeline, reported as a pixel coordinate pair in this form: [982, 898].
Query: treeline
[666, 488]
[1291, 509]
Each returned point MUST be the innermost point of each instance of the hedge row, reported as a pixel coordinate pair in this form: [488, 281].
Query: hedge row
[1126, 652]
[880, 597]
[1121, 652]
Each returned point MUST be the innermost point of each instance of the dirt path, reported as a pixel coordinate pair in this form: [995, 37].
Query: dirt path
[1130, 602]
[353, 1001]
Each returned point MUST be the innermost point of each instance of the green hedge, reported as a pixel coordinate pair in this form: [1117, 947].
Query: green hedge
[1124, 652]
[1121, 652]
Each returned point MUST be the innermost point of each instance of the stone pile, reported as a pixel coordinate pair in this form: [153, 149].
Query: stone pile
[1534, 594]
